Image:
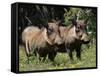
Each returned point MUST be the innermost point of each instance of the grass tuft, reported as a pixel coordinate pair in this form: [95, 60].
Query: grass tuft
[61, 61]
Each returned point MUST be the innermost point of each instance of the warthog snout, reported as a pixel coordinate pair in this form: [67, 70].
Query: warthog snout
[58, 40]
[85, 39]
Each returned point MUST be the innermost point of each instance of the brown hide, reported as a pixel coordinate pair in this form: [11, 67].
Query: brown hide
[73, 37]
[35, 38]
[40, 39]
[55, 35]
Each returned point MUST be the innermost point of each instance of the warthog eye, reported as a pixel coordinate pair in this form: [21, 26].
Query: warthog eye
[77, 29]
[80, 36]
[50, 31]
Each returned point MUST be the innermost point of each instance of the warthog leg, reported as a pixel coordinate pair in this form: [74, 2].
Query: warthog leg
[52, 55]
[27, 50]
[71, 56]
[69, 53]
[78, 53]
[41, 54]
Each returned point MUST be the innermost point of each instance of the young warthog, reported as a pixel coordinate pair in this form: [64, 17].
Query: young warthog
[73, 37]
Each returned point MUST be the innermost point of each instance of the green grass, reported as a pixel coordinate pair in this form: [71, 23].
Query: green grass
[61, 61]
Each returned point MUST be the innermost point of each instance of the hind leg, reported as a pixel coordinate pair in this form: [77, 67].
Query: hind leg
[39, 53]
[27, 50]
[42, 53]
[44, 57]
[35, 52]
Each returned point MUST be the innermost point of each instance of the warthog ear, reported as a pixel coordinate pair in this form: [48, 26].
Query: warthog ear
[73, 19]
[45, 35]
[53, 20]
[56, 21]
[74, 22]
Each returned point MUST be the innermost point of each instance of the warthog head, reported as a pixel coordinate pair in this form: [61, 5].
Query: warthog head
[80, 31]
[53, 33]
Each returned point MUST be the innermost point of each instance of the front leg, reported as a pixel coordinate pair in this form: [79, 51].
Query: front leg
[69, 53]
[78, 53]
[52, 55]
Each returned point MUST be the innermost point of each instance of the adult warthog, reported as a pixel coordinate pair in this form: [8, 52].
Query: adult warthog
[40, 40]
[73, 37]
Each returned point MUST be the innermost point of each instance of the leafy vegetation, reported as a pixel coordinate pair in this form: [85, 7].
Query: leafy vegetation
[39, 16]
[61, 61]
[87, 14]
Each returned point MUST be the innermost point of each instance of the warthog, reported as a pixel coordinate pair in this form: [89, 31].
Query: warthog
[40, 40]
[34, 38]
[73, 37]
